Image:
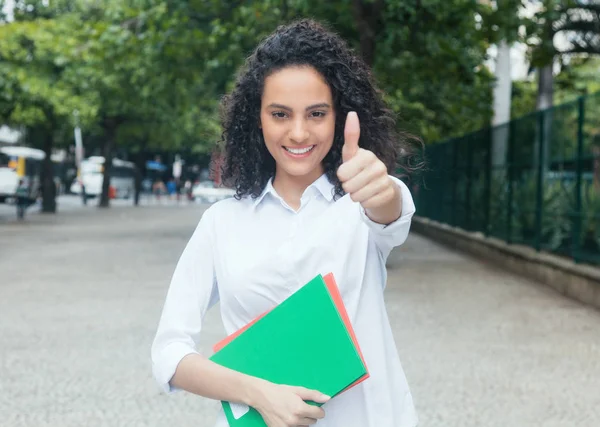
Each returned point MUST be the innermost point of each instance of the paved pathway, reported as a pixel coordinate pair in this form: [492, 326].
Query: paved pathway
[81, 292]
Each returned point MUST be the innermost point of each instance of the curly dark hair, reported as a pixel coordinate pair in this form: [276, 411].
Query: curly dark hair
[248, 165]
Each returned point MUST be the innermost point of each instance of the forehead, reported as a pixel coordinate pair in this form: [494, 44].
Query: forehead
[296, 86]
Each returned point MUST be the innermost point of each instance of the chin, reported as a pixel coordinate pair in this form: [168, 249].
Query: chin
[301, 170]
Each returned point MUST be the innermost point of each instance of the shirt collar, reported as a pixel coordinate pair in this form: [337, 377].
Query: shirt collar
[322, 184]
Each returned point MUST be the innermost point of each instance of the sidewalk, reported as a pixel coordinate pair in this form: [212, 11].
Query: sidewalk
[81, 294]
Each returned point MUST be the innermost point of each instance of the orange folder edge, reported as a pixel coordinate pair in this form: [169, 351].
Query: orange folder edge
[339, 303]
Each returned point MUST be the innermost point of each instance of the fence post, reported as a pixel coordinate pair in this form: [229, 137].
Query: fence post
[509, 166]
[445, 179]
[539, 197]
[487, 195]
[578, 216]
[469, 182]
[454, 181]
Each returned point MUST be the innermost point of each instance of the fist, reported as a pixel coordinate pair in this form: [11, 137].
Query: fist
[363, 176]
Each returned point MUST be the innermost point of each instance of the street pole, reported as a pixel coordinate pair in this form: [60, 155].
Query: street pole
[79, 155]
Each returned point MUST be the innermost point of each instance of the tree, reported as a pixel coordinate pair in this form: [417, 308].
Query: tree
[33, 91]
[122, 56]
[579, 21]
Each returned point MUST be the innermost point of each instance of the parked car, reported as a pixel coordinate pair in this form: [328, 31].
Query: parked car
[208, 192]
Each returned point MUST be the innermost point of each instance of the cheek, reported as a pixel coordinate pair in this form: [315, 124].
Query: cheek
[271, 135]
[327, 133]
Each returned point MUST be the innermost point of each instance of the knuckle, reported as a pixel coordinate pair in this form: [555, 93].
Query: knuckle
[381, 168]
[385, 182]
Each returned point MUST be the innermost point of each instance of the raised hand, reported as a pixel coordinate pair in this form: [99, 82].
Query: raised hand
[363, 176]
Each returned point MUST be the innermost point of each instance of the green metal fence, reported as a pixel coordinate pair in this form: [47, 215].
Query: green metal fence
[533, 181]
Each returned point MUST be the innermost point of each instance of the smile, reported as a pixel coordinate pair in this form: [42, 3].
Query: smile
[299, 151]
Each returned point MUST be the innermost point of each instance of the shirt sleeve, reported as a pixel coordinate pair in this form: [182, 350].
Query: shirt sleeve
[387, 237]
[193, 290]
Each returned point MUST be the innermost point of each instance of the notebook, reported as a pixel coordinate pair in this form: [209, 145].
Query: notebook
[307, 340]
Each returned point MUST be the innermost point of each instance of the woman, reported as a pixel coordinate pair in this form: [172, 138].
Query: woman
[313, 196]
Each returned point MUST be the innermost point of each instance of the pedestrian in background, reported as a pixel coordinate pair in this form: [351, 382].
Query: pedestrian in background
[22, 196]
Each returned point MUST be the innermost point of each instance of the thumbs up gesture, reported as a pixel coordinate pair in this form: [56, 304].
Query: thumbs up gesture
[365, 178]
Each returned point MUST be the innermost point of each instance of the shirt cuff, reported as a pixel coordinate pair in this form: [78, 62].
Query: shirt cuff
[408, 210]
[166, 364]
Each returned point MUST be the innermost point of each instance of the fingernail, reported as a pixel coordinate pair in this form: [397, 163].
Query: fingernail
[325, 397]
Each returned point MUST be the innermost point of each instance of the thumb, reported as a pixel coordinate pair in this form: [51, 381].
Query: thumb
[308, 394]
[351, 136]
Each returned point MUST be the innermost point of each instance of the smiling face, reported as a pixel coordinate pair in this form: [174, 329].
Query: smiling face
[298, 122]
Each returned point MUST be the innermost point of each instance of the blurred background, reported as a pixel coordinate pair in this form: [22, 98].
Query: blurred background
[114, 104]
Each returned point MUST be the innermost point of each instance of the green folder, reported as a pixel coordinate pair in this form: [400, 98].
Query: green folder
[303, 341]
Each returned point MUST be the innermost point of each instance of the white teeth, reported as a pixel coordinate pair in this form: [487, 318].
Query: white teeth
[299, 150]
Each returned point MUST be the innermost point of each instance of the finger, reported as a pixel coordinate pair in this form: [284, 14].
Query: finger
[378, 199]
[308, 394]
[370, 190]
[373, 172]
[307, 422]
[311, 411]
[361, 160]
[351, 136]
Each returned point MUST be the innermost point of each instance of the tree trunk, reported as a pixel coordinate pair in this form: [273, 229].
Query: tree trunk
[110, 128]
[502, 101]
[367, 17]
[545, 100]
[545, 88]
[48, 186]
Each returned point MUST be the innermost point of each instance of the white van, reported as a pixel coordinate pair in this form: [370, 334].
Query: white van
[91, 173]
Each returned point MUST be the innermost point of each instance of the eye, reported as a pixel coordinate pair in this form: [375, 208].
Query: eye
[279, 115]
[318, 114]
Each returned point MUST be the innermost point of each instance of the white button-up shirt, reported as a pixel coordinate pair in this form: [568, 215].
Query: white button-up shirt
[252, 254]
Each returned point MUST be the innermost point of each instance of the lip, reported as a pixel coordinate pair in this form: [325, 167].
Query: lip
[299, 156]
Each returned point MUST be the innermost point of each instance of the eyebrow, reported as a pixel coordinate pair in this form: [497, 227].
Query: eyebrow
[310, 107]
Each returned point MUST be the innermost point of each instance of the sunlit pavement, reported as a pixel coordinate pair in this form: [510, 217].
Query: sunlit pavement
[81, 293]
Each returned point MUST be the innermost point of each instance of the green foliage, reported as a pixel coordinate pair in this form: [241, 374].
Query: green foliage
[579, 20]
[503, 21]
[452, 94]
[33, 89]
[159, 68]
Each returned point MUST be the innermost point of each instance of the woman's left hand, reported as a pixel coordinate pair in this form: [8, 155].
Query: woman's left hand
[363, 176]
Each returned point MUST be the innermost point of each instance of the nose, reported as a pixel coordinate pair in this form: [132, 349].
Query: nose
[299, 132]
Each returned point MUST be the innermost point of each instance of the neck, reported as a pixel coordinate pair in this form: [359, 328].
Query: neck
[290, 188]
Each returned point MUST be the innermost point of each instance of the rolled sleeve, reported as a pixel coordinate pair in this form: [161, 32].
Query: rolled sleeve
[192, 291]
[387, 237]
[165, 364]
